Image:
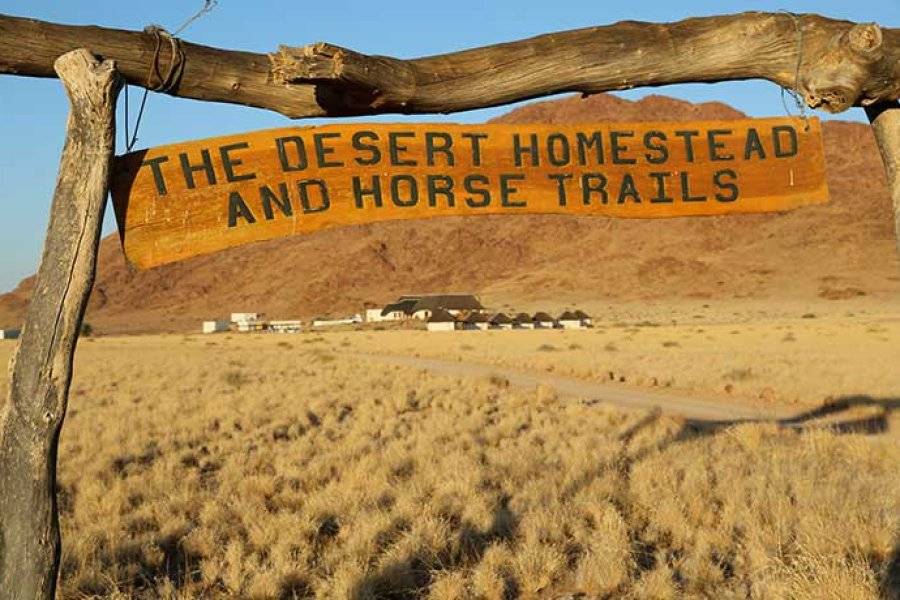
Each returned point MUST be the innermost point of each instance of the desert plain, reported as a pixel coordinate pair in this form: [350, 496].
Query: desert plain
[502, 464]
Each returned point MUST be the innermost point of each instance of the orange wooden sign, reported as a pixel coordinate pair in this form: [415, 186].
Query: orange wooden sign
[177, 201]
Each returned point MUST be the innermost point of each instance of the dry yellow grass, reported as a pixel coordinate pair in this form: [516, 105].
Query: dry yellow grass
[285, 467]
[800, 358]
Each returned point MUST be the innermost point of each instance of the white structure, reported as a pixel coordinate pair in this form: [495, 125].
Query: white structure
[215, 326]
[542, 320]
[246, 322]
[373, 315]
[332, 322]
[477, 321]
[10, 334]
[441, 320]
[285, 326]
[586, 319]
[501, 321]
[569, 320]
[523, 321]
[238, 317]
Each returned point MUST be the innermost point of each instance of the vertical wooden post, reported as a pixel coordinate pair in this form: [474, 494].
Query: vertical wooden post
[41, 369]
[885, 119]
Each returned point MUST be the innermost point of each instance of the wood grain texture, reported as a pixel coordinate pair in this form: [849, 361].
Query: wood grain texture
[177, 201]
[885, 119]
[41, 369]
[841, 64]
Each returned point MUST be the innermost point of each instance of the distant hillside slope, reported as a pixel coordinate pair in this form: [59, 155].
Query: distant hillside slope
[839, 249]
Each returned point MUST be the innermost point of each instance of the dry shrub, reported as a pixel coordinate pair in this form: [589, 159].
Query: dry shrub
[349, 479]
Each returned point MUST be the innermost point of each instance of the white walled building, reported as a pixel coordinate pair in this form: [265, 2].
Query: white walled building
[285, 326]
[477, 321]
[542, 320]
[215, 326]
[523, 321]
[10, 334]
[441, 320]
[569, 320]
[501, 321]
[321, 322]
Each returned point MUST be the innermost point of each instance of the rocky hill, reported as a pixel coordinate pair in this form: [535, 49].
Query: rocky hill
[834, 251]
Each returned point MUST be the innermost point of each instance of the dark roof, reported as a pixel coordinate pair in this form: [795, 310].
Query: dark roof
[522, 318]
[500, 318]
[448, 302]
[477, 318]
[568, 316]
[404, 306]
[441, 316]
[582, 315]
[542, 316]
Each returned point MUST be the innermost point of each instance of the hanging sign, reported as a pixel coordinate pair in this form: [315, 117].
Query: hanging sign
[174, 202]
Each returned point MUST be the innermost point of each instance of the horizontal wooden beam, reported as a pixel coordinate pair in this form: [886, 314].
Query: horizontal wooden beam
[833, 64]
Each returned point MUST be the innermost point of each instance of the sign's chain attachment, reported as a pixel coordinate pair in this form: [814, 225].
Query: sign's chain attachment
[174, 72]
[794, 93]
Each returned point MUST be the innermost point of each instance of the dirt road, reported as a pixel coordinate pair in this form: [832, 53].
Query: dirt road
[693, 409]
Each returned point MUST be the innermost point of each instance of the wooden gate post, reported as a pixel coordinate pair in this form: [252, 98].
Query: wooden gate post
[41, 369]
[885, 119]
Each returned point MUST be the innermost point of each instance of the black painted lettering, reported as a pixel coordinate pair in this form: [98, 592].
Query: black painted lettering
[778, 133]
[531, 149]
[395, 148]
[716, 144]
[205, 165]
[238, 209]
[324, 201]
[628, 190]
[686, 189]
[411, 186]
[438, 142]
[654, 141]
[688, 137]
[158, 178]
[282, 200]
[440, 185]
[298, 162]
[469, 185]
[229, 162]
[560, 179]
[475, 141]
[725, 181]
[592, 183]
[374, 154]
[507, 190]
[754, 145]
[322, 151]
[661, 196]
[360, 192]
[558, 151]
[585, 143]
[616, 149]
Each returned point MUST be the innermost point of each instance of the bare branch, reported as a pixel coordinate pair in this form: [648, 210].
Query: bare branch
[842, 64]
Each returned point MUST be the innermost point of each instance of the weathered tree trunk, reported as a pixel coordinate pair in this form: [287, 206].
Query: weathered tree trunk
[885, 119]
[841, 64]
[31, 418]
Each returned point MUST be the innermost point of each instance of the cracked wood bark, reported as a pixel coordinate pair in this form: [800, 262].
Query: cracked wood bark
[31, 418]
[885, 119]
[842, 64]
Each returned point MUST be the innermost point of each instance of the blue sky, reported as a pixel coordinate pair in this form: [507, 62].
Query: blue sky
[33, 111]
